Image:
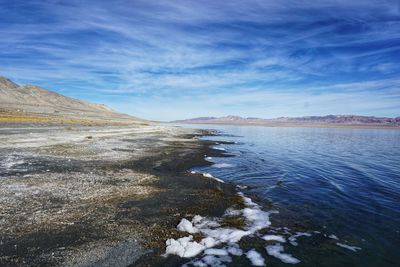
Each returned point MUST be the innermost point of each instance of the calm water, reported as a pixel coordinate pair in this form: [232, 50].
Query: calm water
[344, 182]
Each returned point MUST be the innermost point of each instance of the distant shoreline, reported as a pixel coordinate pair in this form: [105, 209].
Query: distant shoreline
[326, 121]
[288, 125]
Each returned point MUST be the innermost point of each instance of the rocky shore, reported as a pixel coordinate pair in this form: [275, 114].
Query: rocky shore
[74, 195]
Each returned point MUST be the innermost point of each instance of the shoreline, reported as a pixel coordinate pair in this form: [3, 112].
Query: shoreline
[102, 195]
[316, 126]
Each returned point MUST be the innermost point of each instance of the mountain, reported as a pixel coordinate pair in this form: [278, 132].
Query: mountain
[329, 121]
[31, 100]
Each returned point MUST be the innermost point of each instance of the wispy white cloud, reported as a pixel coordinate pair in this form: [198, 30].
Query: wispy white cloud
[297, 58]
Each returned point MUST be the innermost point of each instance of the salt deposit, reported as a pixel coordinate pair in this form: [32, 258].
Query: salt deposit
[215, 235]
[255, 258]
[333, 237]
[274, 238]
[352, 248]
[223, 165]
[208, 175]
[186, 226]
[293, 239]
[184, 247]
[235, 250]
[277, 252]
[216, 252]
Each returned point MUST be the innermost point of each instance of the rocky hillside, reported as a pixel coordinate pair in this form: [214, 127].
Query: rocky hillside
[330, 120]
[31, 100]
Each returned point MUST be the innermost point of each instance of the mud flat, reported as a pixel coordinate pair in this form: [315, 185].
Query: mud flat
[73, 195]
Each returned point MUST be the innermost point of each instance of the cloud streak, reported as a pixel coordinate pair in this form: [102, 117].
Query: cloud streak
[258, 58]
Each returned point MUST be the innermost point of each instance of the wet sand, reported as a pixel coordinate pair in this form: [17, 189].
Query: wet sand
[75, 195]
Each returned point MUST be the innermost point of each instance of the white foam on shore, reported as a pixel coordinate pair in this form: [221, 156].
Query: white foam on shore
[332, 236]
[184, 247]
[215, 235]
[226, 235]
[186, 226]
[277, 252]
[293, 239]
[255, 258]
[209, 242]
[210, 260]
[208, 175]
[234, 250]
[216, 257]
[222, 165]
[219, 148]
[278, 238]
[256, 218]
[352, 248]
[216, 252]
[219, 244]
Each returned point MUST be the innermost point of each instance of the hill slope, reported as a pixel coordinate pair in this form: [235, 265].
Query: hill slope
[31, 100]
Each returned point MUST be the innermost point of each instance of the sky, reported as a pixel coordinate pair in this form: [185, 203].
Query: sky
[176, 59]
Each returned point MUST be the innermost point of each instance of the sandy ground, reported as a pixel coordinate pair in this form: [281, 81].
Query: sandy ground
[102, 195]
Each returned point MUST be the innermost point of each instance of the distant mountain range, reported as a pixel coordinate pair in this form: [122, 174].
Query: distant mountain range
[30, 100]
[328, 121]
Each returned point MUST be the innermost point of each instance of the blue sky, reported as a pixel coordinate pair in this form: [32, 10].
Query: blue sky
[166, 60]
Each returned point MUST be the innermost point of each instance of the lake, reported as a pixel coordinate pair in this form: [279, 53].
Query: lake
[339, 185]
